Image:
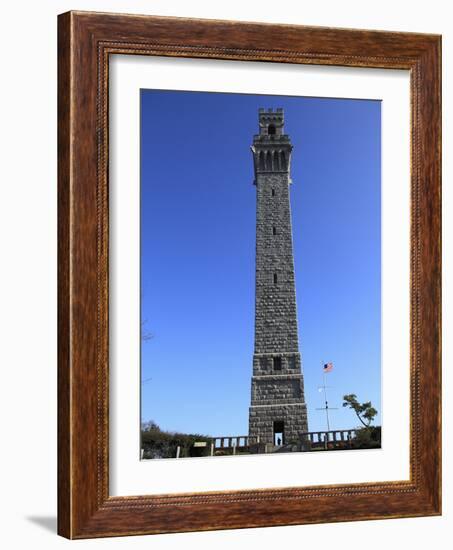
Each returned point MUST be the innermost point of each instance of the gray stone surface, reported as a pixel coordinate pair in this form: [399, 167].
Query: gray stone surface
[277, 381]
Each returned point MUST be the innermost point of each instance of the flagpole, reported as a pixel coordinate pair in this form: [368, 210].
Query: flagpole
[325, 397]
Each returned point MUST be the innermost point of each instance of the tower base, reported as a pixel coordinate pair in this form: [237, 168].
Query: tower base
[278, 424]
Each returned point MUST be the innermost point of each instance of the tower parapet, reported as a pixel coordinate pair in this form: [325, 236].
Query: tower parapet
[271, 147]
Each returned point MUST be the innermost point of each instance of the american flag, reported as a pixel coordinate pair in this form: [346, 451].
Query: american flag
[327, 367]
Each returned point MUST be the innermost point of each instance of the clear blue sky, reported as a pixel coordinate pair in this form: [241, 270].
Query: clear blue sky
[198, 254]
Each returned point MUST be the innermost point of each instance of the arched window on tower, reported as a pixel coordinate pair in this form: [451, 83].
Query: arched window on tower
[271, 130]
[282, 160]
[269, 161]
[261, 160]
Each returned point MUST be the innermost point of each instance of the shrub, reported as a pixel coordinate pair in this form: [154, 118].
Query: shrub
[367, 438]
[157, 443]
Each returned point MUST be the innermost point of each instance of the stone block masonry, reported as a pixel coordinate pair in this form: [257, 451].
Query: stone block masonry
[278, 411]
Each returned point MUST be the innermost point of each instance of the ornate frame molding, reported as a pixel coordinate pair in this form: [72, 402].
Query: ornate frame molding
[86, 40]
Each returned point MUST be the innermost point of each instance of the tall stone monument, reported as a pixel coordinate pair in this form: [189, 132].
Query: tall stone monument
[278, 413]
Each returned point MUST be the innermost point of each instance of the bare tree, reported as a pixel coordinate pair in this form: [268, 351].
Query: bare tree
[145, 334]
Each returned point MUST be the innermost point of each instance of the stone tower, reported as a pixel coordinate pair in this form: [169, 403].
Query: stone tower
[278, 413]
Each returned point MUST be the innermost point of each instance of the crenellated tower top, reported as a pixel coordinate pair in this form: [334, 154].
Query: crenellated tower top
[271, 123]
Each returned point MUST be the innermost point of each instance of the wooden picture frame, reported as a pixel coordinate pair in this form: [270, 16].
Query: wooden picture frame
[85, 42]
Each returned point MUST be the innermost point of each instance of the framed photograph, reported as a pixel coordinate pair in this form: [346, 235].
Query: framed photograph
[249, 275]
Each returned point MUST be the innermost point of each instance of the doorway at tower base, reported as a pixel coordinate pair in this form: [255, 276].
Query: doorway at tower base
[278, 424]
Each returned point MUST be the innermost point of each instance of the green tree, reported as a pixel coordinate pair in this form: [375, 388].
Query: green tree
[365, 411]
